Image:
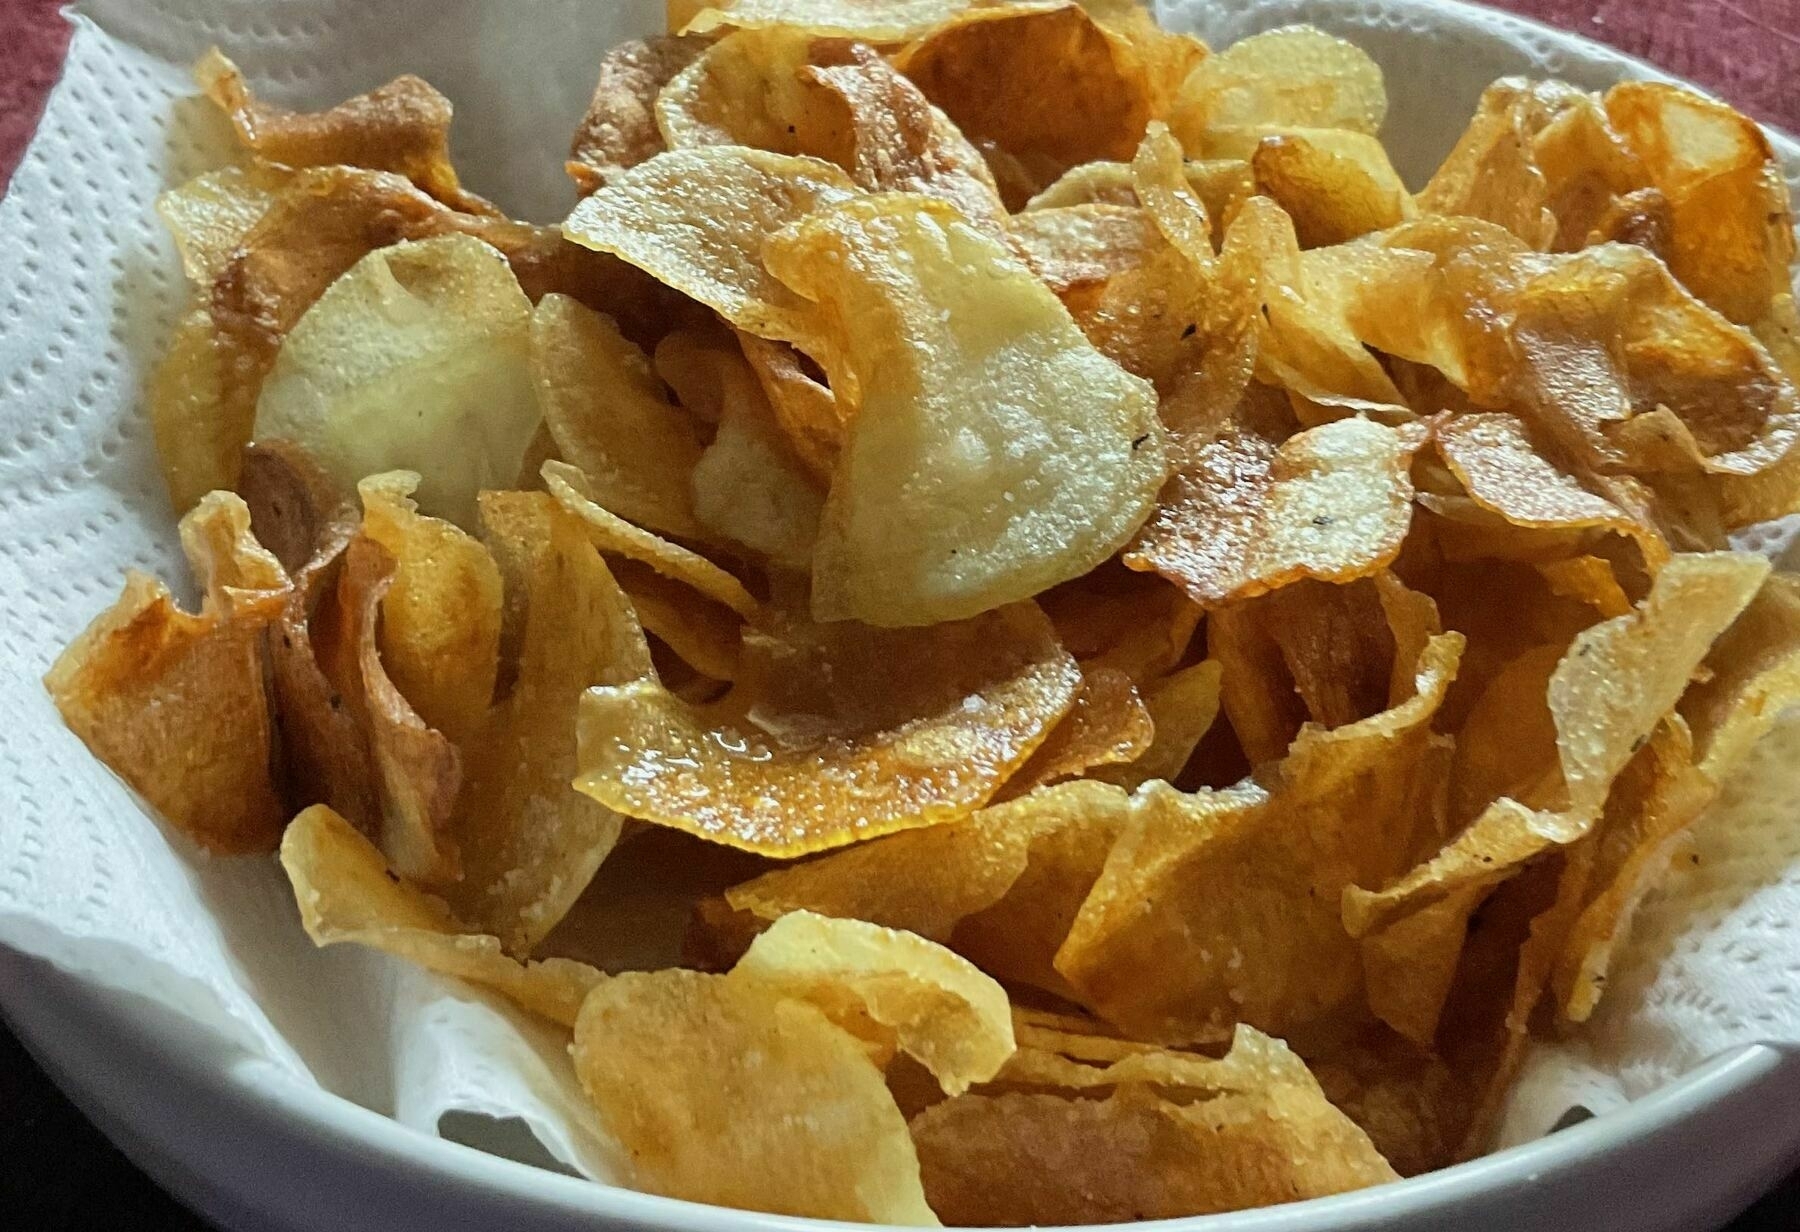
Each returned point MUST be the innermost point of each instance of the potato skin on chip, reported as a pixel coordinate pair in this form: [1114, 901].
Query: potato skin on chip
[729, 1091]
[346, 893]
[964, 706]
[992, 451]
[175, 703]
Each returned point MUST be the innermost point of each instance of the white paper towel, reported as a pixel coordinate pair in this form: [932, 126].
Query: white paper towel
[89, 287]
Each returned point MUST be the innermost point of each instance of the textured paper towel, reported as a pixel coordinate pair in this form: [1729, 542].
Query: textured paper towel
[89, 288]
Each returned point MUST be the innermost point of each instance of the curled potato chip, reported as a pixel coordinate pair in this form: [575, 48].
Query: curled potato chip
[877, 21]
[403, 127]
[1336, 184]
[440, 619]
[704, 635]
[1191, 869]
[805, 408]
[1410, 965]
[1297, 75]
[1222, 185]
[1606, 695]
[613, 534]
[749, 486]
[1182, 707]
[697, 220]
[1174, 1136]
[1038, 89]
[619, 130]
[747, 89]
[1243, 514]
[530, 843]
[950, 713]
[1107, 725]
[418, 356]
[982, 465]
[611, 417]
[1493, 173]
[938, 1007]
[175, 702]
[211, 214]
[347, 893]
[1077, 245]
[733, 1092]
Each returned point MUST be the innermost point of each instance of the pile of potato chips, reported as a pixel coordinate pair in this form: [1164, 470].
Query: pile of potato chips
[1148, 658]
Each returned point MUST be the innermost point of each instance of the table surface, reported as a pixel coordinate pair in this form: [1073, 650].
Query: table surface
[58, 1173]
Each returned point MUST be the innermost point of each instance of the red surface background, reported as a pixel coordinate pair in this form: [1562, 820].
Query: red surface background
[1748, 51]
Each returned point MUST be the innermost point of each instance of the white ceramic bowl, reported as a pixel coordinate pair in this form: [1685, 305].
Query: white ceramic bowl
[256, 1150]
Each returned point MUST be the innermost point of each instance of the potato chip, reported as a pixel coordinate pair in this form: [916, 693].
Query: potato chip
[874, 21]
[211, 214]
[1234, 1140]
[697, 220]
[347, 893]
[403, 127]
[1182, 707]
[619, 130]
[1107, 725]
[1079, 245]
[806, 409]
[1607, 693]
[530, 842]
[749, 487]
[951, 713]
[1296, 75]
[611, 417]
[1222, 185]
[438, 324]
[948, 500]
[440, 619]
[748, 89]
[729, 1091]
[1038, 89]
[703, 634]
[938, 1008]
[1493, 172]
[175, 702]
[613, 534]
[1335, 184]
[1410, 965]
[1750, 676]
[1243, 514]
[1190, 870]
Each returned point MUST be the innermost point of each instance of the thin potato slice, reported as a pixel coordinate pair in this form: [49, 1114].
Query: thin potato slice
[704, 635]
[875, 21]
[530, 842]
[211, 214]
[749, 487]
[403, 127]
[992, 451]
[939, 1009]
[619, 130]
[346, 893]
[806, 409]
[1079, 245]
[1107, 725]
[417, 357]
[1182, 707]
[1243, 515]
[174, 702]
[697, 220]
[1334, 183]
[1297, 75]
[730, 1091]
[953, 712]
[611, 418]
[747, 89]
[1166, 945]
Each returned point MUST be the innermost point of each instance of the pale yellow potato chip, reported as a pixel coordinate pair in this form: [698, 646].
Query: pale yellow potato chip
[1080, 245]
[992, 451]
[346, 893]
[612, 419]
[1297, 75]
[211, 214]
[175, 702]
[729, 1091]
[939, 1008]
[840, 733]
[697, 220]
[749, 486]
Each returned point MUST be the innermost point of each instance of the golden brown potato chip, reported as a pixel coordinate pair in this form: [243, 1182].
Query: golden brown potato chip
[1493, 173]
[1182, 708]
[347, 893]
[875, 21]
[1077, 245]
[729, 1091]
[806, 409]
[1334, 183]
[1731, 227]
[1038, 90]
[530, 842]
[175, 702]
[619, 130]
[1229, 1141]
[1191, 872]
[416, 357]
[846, 733]
[1243, 514]
[697, 221]
[1750, 676]
[1606, 695]
[1409, 966]
[1107, 725]
[1115, 617]
[982, 465]
[1296, 75]
[211, 214]
[611, 417]
[748, 89]
[440, 619]
[613, 534]
[403, 127]
[937, 1008]
[1222, 185]
[703, 634]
